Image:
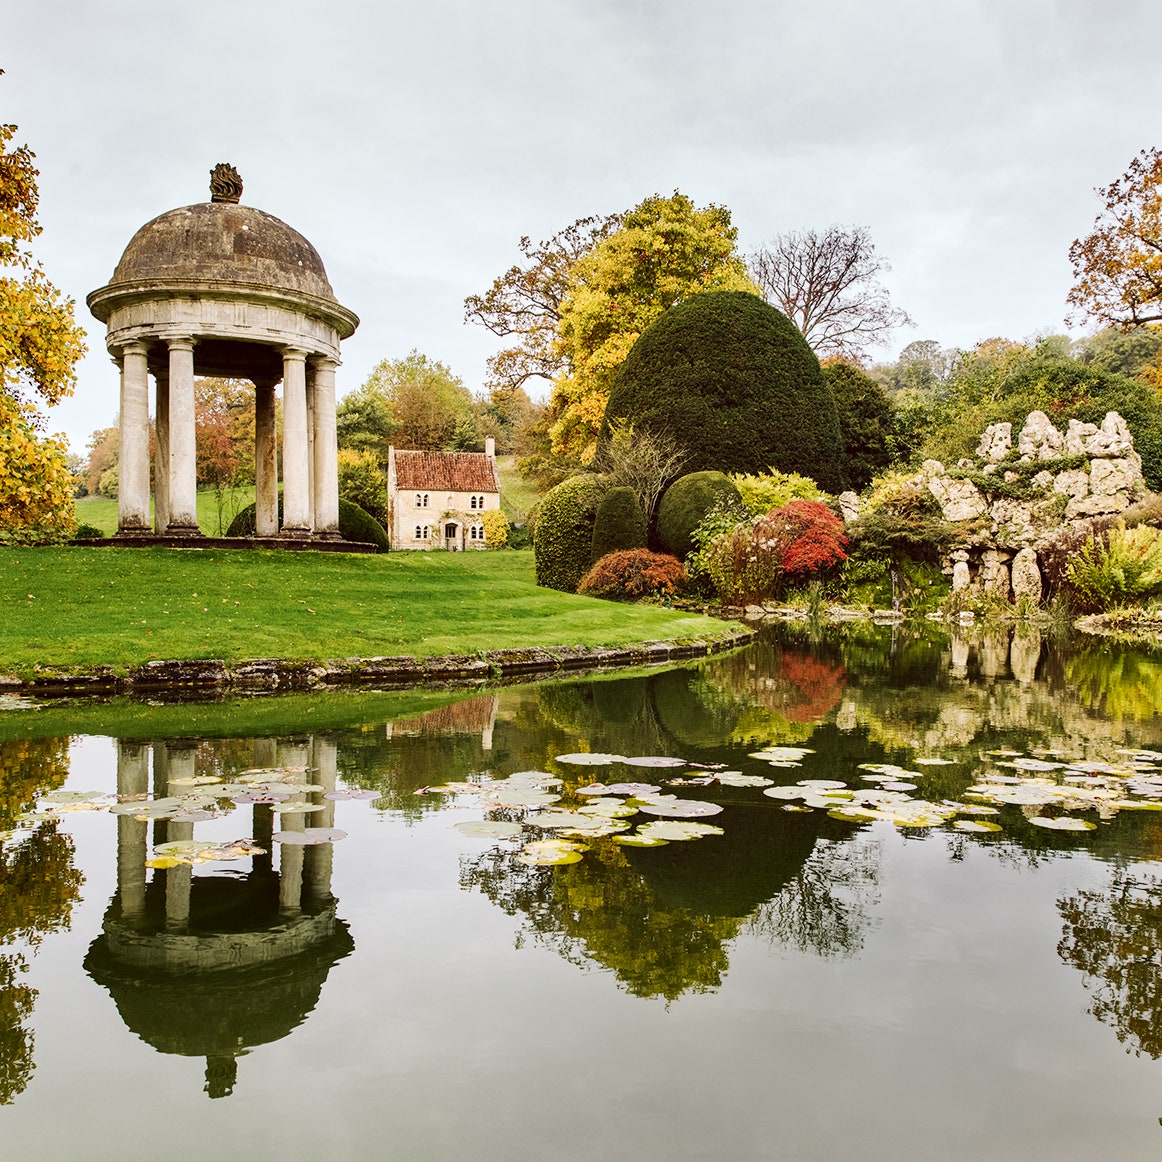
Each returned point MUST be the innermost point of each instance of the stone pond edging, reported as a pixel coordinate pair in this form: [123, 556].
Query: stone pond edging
[278, 675]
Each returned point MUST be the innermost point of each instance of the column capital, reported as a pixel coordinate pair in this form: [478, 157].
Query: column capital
[295, 354]
[134, 347]
[324, 362]
[180, 342]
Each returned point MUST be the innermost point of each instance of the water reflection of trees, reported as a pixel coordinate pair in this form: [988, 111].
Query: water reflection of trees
[827, 907]
[38, 887]
[1113, 936]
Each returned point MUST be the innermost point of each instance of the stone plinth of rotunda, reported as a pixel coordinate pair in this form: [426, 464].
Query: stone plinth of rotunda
[222, 289]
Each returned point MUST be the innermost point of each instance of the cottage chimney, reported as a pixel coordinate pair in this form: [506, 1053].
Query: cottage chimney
[490, 447]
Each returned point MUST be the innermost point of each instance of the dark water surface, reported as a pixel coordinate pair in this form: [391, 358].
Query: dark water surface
[799, 987]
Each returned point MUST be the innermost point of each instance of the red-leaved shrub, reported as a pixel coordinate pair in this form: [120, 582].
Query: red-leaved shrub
[785, 547]
[633, 573]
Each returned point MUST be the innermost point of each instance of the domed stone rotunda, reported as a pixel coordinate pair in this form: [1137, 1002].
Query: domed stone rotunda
[222, 289]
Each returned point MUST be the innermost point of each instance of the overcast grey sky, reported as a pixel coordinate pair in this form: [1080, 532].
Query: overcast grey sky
[414, 143]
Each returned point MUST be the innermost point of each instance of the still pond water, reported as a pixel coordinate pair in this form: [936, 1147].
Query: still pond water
[893, 966]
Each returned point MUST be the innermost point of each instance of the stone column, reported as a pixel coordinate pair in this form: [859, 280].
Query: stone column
[179, 880]
[133, 465]
[265, 460]
[132, 835]
[161, 453]
[296, 497]
[311, 440]
[183, 463]
[318, 860]
[326, 479]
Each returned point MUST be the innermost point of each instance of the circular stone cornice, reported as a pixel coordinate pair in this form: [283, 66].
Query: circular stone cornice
[106, 300]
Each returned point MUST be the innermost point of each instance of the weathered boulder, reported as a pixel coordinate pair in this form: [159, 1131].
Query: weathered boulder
[994, 572]
[1039, 439]
[1121, 475]
[958, 499]
[1077, 436]
[1112, 439]
[848, 505]
[996, 442]
[1026, 576]
[1073, 482]
[1108, 504]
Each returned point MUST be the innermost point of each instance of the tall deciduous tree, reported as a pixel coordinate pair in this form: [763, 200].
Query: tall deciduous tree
[665, 250]
[431, 407]
[1117, 269]
[524, 303]
[40, 344]
[827, 283]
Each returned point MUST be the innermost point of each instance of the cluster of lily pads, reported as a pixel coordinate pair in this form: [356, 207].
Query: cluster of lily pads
[1049, 789]
[204, 797]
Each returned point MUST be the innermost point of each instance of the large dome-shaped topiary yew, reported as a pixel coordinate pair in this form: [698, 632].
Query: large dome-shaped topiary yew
[734, 382]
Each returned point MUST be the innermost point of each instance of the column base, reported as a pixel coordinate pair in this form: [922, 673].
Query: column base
[173, 530]
[135, 531]
[298, 533]
[328, 535]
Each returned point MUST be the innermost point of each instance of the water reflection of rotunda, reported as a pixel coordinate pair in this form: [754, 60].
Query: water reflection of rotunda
[215, 965]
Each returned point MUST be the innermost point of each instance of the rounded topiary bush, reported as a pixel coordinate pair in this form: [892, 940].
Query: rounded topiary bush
[685, 504]
[734, 382]
[354, 525]
[563, 540]
[865, 422]
[619, 523]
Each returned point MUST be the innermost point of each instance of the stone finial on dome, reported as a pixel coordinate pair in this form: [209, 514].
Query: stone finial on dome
[225, 184]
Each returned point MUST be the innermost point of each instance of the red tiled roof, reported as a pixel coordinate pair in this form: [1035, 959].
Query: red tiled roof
[446, 471]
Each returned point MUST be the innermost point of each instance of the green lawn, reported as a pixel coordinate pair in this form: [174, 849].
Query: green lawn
[88, 606]
[101, 512]
[517, 495]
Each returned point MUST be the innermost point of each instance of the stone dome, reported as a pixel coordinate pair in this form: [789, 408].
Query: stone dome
[223, 242]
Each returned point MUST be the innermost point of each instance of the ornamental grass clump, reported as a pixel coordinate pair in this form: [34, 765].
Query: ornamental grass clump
[634, 573]
[763, 558]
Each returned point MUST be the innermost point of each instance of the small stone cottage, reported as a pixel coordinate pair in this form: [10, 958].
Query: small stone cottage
[436, 500]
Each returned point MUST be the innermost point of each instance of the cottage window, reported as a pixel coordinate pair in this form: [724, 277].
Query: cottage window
[476, 533]
[472, 504]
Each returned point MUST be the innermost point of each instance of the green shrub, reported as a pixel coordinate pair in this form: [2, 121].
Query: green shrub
[762, 558]
[108, 484]
[766, 491]
[496, 527]
[87, 532]
[619, 524]
[563, 540]
[633, 573]
[734, 383]
[362, 482]
[866, 423]
[354, 525]
[685, 505]
[1118, 566]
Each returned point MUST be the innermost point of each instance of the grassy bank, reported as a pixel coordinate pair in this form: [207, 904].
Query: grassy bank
[72, 607]
[215, 510]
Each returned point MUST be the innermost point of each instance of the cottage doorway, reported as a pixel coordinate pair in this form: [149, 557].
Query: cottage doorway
[452, 536]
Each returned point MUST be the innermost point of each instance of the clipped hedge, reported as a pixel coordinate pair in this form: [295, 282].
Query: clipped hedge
[619, 524]
[563, 540]
[866, 423]
[734, 382]
[686, 503]
[354, 525]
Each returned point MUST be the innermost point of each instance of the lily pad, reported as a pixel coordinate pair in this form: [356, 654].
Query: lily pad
[165, 862]
[268, 797]
[488, 828]
[934, 762]
[1063, 823]
[71, 796]
[631, 789]
[823, 784]
[682, 809]
[785, 792]
[550, 820]
[517, 796]
[976, 826]
[738, 779]
[590, 760]
[310, 837]
[195, 781]
[193, 816]
[608, 808]
[673, 830]
[653, 761]
[639, 840]
[350, 793]
[297, 808]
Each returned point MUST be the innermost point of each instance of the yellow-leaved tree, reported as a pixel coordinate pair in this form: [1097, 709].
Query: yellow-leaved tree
[665, 250]
[40, 344]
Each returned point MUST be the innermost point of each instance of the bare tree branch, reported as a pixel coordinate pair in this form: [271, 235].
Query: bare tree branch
[827, 285]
